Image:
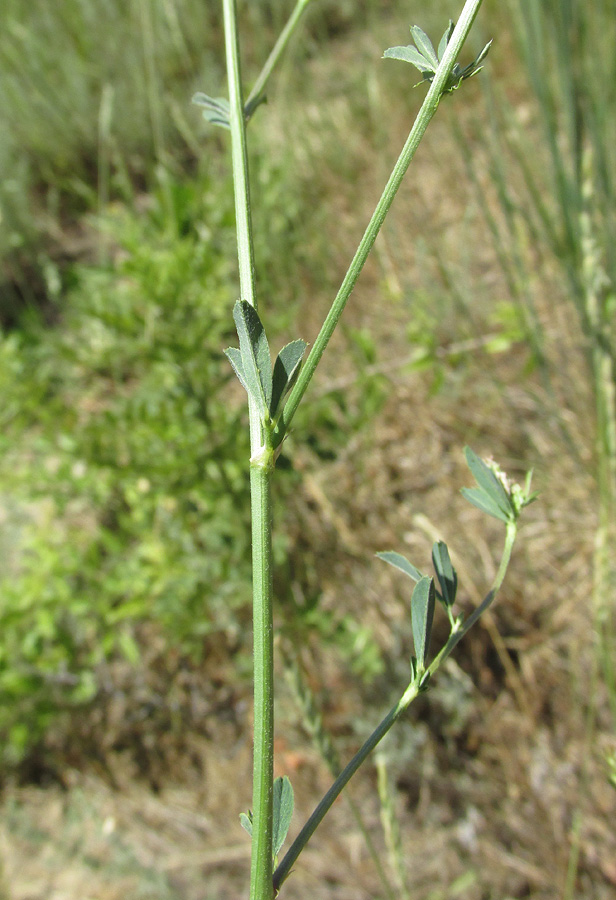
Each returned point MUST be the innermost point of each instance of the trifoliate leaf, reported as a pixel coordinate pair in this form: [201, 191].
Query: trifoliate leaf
[427, 61]
[215, 109]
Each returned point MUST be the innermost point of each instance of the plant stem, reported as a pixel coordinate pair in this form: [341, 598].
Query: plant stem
[277, 50]
[339, 784]
[412, 691]
[239, 155]
[263, 764]
[261, 506]
[427, 111]
[456, 636]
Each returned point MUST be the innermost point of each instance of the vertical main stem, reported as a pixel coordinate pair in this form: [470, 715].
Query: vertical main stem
[263, 768]
[261, 505]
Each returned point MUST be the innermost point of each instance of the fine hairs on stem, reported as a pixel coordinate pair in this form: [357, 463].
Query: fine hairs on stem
[275, 391]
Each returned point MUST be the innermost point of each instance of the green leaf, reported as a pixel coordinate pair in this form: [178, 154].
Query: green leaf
[445, 40]
[412, 55]
[256, 359]
[484, 502]
[400, 562]
[286, 370]
[474, 67]
[246, 821]
[424, 45]
[235, 358]
[254, 104]
[483, 54]
[489, 482]
[283, 811]
[445, 572]
[215, 109]
[422, 614]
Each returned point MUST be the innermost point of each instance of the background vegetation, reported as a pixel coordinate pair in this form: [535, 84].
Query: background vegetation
[487, 310]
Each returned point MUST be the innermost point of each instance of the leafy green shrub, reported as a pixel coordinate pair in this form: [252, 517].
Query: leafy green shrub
[122, 462]
[123, 492]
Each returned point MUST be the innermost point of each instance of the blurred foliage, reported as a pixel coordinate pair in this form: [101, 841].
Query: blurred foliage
[95, 96]
[123, 458]
[124, 492]
[123, 447]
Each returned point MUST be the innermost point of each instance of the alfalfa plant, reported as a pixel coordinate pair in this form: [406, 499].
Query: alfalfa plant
[274, 394]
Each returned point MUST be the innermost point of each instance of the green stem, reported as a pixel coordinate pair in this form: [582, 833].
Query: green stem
[277, 51]
[261, 505]
[414, 688]
[239, 155]
[263, 765]
[456, 636]
[284, 869]
[427, 111]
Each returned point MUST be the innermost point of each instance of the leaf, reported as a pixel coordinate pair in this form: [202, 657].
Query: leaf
[286, 370]
[479, 498]
[422, 614]
[445, 572]
[283, 811]
[215, 109]
[424, 45]
[246, 821]
[412, 55]
[400, 562]
[489, 482]
[474, 67]
[235, 358]
[256, 359]
[483, 54]
[250, 108]
[445, 40]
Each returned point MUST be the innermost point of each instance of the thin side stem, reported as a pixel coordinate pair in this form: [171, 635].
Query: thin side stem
[425, 115]
[284, 869]
[277, 51]
[261, 504]
[456, 636]
[412, 691]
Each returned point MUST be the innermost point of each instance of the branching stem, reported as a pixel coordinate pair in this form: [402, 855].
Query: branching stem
[410, 694]
[263, 885]
[277, 51]
[425, 115]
